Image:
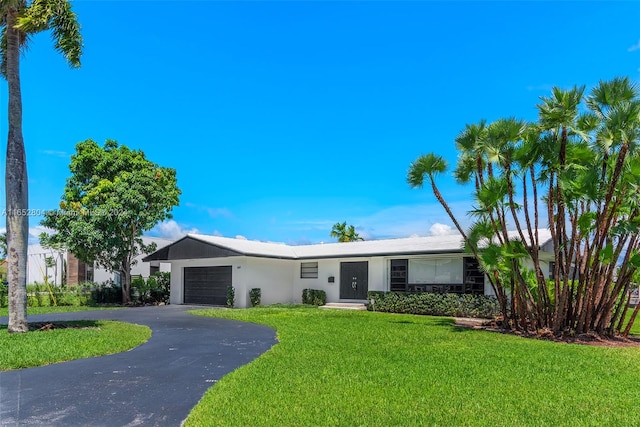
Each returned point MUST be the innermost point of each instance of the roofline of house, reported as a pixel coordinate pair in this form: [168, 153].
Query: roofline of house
[162, 253]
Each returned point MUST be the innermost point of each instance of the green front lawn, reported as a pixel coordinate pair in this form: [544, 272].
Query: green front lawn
[81, 339]
[341, 368]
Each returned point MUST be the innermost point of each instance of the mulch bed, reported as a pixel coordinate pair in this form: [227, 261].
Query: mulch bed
[545, 334]
[50, 326]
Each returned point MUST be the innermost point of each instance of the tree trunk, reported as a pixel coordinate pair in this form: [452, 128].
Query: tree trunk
[126, 284]
[16, 188]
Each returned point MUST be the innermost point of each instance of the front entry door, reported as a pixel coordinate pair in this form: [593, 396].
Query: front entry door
[354, 280]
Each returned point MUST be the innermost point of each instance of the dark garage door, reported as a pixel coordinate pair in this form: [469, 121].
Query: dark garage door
[206, 285]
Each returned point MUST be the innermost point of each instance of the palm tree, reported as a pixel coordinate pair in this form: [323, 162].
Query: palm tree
[430, 165]
[344, 232]
[19, 20]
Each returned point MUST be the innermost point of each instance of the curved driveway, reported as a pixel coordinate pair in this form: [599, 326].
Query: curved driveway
[155, 384]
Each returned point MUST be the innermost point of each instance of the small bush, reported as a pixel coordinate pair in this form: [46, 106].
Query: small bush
[231, 296]
[4, 294]
[105, 293]
[434, 304]
[254, 296]
[154, 290]
[314, 297]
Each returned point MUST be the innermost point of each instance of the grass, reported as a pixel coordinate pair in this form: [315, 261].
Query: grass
[341, 368]
[79, 340]
[60, 309]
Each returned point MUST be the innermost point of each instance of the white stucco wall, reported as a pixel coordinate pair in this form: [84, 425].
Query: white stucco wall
[272, 276]
[280, 281]
[378, 273]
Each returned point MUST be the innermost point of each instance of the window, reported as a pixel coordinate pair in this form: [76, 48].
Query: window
[398, 279]
[309, 270]
[153, 269]
[435, 271]
[89, 273]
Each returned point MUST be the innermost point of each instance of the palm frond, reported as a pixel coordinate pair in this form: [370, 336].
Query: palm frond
[57, 16]
[427, 164]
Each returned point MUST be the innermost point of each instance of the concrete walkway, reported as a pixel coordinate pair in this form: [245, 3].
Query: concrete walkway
[155, 384]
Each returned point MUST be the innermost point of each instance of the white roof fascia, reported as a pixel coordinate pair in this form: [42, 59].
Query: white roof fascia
[406, 246]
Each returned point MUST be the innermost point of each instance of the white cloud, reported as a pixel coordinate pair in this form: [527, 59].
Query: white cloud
[212, 212]
[34, 233]
[438, 229]
[411, 220]
[241, 237]
[388, 223]
[634, 47]
[171, 230]
[216, 212]
[55, 153]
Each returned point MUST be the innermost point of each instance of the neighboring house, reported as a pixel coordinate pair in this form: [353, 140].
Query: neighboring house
[56, 265]
[42, 262]
[202, 267]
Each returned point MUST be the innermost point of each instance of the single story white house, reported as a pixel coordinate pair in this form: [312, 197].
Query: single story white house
[202, 267]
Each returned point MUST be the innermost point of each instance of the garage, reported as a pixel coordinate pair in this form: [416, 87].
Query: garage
[206, 285]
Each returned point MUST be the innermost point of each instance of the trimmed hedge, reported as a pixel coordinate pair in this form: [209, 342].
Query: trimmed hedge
[314, 297]
[434, 304]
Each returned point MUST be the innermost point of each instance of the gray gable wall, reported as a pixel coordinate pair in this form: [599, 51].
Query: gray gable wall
[189, 248]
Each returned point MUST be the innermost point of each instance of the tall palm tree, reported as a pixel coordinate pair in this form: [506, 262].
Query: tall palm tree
[430, 165]
[19, 20]
[344, 232]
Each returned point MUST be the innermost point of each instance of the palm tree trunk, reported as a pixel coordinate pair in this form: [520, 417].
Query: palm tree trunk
[16, 188]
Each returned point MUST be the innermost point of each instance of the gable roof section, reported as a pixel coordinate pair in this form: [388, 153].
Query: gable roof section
[202, 246]
[190, 248]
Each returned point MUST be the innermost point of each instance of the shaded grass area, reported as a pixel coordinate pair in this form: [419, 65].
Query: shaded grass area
[61, 309]
[342, 368]
[68, 341]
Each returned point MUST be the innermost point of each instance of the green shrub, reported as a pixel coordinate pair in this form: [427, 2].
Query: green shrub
[4, 294]
[153, 290]
[41, 295]
[104, 293]
[161, 287]
[254, 296]
[434, 304]
[314, 297]
[231, 296]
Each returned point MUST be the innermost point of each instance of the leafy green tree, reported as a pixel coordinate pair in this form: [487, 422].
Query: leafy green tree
[3, 245]
[344, 232]
[19, 20]
[114, 194]
[576, 171]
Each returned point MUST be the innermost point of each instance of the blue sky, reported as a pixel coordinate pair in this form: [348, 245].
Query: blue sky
[283, 118]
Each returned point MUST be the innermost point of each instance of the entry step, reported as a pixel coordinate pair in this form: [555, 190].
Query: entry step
[345, 306]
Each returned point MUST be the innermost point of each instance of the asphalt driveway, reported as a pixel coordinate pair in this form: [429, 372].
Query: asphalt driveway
[155, 384]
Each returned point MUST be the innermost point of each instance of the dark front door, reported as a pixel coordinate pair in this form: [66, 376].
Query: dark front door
[354, 280]
[206, 285]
